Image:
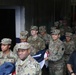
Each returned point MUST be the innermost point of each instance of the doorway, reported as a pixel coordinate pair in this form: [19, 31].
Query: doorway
[7, 24]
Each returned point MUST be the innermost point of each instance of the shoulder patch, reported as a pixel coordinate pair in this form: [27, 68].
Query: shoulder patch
[62, 49]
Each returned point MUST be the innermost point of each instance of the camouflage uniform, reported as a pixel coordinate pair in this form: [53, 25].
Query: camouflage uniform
[53, 27]
[56, 52]
[28, 66]
[64, 28]
[10, 57]
[36, 43]
[69, 48]
[46, 37]
[74, 38]
[62, 31]
[56, 24]
[67, 29]
[23, 35]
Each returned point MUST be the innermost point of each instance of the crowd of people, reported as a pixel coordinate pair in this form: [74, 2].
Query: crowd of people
[59, 46]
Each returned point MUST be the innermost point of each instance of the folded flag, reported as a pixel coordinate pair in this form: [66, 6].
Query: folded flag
[39, 57]
[7, 68]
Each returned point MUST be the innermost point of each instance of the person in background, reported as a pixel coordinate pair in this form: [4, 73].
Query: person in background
[23, 38]
[36, 42]
[46, 37]
[43, 34]
[56, 24]
[69, 48]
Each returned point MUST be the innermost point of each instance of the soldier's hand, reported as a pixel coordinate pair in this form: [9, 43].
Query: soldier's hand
[47, 52]
[46, 58]
[73, 74]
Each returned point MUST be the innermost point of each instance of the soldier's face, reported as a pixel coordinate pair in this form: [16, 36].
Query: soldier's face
[55, 36]
[23, 40]
[43, 33]
[68, 38]
[22, 53]
[5, 47]
[33, 32]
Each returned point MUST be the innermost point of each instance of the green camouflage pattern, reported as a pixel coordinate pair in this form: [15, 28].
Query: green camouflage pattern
[45, 37]
[28, 67]
[11, 57]
[56, 59]
[36, 43]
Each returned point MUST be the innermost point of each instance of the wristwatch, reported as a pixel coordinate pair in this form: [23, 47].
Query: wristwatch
[71, 73]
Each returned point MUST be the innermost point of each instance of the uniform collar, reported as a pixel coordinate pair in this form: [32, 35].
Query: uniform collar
[25, 61]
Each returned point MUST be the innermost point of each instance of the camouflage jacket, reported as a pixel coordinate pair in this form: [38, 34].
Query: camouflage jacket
[46, 38]
[11, 57]
[69, 47]
[37, 44]
[56, 50]
[28, 67]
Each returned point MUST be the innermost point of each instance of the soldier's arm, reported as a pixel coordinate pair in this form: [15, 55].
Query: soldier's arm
[73, 46]
[58, 55]
[38, 69]
[42, 45]
[28, 40]
[15, 49]
[69, 66]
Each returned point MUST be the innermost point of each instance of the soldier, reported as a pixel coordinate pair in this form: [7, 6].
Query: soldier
[6, 55]
[66, 27]
[69, 47]
[60, 23]
[53, 27]
[56, 24]
[46, 37]
[43, 34]
[56, 52]
[36, 42]
[74, 38]
[26, 65]
[23, 38]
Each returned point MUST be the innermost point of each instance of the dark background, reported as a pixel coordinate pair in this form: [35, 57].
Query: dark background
[7, 24]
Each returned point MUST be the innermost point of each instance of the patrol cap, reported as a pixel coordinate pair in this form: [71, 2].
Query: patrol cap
[34, 28]
[23, 34]
[53, 28]
[55, 31]
[6, 41]
[42, 29]
[23, 45]
[69, 34]
[56, 23]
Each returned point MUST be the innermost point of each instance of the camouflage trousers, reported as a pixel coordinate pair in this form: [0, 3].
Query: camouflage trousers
[56, 69]
[65, 67]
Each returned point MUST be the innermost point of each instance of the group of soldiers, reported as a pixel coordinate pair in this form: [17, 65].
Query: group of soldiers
[59, 45]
